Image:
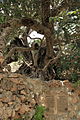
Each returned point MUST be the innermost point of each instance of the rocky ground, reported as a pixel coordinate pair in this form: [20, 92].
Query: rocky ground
[19, 96]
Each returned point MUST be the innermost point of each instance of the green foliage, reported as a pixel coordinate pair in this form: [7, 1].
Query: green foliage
[51, 19]
[69, 64]
[37, 41]
[2, 19]
[73, 12]
[77, 84]
[20, 8]
[68, 25]
[39, 113]
[74, 77]
[66, 34]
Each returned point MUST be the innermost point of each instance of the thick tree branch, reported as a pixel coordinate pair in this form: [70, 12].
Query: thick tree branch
[52, 61]
[34, 25]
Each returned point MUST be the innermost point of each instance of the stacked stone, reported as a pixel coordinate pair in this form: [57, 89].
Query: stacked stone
[19, 96]
[16, 98]
[62, 101]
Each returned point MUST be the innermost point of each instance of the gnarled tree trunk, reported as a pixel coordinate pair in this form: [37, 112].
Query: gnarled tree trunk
[48, 31]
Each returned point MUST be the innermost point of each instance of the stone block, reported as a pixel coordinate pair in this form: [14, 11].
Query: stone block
[62, 104]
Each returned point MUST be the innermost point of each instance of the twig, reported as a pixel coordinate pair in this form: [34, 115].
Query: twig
[52, 61]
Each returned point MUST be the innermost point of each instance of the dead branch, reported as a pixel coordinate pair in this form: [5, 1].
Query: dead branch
[52, 61]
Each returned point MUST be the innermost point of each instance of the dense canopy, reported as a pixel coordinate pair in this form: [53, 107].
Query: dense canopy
[58, 53]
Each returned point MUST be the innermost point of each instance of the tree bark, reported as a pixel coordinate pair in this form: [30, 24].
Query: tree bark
[45, 11]
[45, 22]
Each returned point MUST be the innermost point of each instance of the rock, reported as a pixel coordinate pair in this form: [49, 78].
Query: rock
[1, 59]
[14, 88]
[17, 106]
[1, 104]
[23, 92]
[17, 100]
[14, 75]
[15, 80]
[1, 90]
[74, 100]
[33, 103]
[1, 97]
[1, 112]
[54, 83]
[20, 95]
[6, 84]
[1, 75]
[30, 114]
[13, 113]
[17, 116]
[8, 112]
[13, 98]
[10, 103]
[7, 96]
[68, 85]
[22, 98]
[24, 108]
[21, 87]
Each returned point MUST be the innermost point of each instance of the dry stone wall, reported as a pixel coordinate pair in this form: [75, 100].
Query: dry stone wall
[19, 96]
